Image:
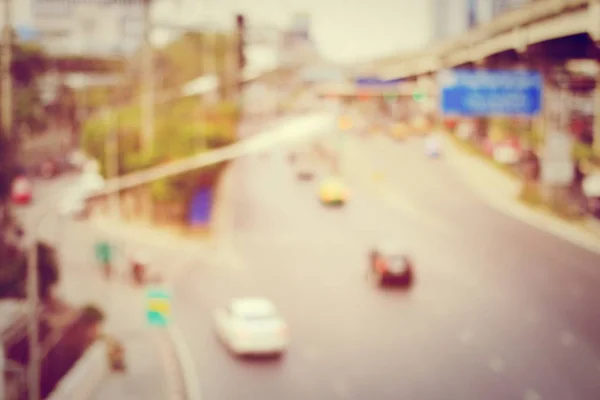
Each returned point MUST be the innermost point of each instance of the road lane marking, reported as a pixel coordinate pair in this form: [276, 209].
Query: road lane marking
[188, 368]
[172, 389]
[531, 395]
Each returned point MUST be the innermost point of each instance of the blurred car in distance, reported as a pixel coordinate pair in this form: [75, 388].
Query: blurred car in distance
[332, 191]
[390, 263]
[21, 190]
[305, 169]
[251, 326]
[433, 147]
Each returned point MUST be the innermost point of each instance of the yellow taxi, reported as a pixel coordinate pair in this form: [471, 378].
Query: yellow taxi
[333, 192]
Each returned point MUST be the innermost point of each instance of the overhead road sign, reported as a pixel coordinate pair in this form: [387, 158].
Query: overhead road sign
[481, 93]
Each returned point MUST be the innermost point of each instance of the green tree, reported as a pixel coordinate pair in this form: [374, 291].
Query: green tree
[28, 64]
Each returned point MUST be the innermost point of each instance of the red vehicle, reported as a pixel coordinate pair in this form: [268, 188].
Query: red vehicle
[390, 263]
[21, 192]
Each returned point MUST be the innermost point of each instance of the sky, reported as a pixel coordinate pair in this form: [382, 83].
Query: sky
[344, 30]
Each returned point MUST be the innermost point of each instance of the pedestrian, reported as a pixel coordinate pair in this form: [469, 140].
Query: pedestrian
[139, 263]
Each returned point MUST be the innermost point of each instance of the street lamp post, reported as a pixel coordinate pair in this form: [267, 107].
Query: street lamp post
[147, 97]
[33, 326]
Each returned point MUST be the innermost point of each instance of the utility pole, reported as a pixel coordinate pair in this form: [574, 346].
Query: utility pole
[7, 106]
[33, 327]
[147, 97]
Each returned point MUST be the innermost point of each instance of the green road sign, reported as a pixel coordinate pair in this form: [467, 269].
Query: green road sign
[158, 307]
[104, 252]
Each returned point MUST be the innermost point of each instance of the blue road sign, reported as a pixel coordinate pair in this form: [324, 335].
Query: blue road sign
[476, 93]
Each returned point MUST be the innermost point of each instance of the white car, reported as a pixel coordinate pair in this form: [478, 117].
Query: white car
[433, 147]
[251, 325]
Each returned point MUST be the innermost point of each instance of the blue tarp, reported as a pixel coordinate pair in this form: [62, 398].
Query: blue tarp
[201, 207]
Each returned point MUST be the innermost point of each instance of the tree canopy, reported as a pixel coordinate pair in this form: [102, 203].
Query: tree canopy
[28, 65]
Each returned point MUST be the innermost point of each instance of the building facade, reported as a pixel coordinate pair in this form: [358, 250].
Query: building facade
[455, 17]
[450, 19]
[89, 27]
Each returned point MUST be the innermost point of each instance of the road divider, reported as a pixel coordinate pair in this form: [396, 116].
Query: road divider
[188, 370]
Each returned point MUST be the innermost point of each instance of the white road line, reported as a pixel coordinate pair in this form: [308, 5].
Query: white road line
[188, 368]
[172, 388]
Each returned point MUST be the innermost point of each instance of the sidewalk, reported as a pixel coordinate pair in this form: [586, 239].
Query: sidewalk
[501, 192]
[151, 370]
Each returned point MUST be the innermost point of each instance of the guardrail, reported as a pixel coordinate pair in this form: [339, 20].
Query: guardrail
[85, 376]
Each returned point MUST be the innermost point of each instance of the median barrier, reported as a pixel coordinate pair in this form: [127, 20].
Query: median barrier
[85, 376]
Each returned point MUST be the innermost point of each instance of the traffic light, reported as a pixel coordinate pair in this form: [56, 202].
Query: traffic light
[241, 30]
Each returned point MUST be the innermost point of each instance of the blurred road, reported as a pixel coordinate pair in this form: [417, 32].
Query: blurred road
[499, 310]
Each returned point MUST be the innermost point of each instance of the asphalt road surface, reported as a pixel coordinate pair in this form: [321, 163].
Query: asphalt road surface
[499, 310]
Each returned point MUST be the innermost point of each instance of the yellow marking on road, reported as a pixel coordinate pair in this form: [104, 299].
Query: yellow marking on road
[373, 180]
